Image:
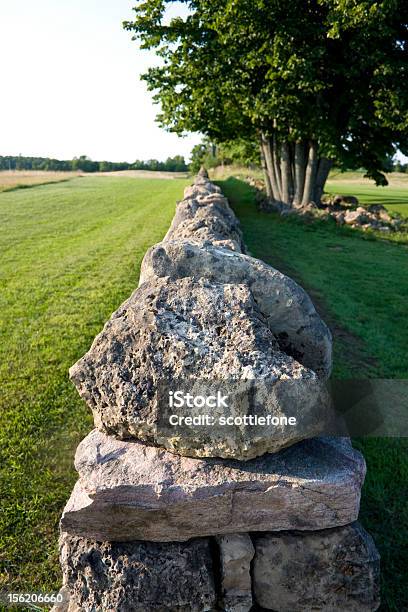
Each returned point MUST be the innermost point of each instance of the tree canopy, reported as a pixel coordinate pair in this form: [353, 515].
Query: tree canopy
[316, 82]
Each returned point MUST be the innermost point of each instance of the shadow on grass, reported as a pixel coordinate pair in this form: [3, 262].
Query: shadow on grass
[360, 287]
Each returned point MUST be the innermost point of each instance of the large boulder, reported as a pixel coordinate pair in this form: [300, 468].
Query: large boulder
[332, 570]
[197, 336]
[287, 308]
[137, 576]
[127, 491]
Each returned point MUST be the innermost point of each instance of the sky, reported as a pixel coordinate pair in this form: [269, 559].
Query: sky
[70, 84]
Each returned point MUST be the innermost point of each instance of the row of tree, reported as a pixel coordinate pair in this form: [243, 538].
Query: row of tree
[314, 84]
[246, 153]
[85, 164]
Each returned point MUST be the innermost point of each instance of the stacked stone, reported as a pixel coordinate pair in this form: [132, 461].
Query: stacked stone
[194, 519]
[345, 210]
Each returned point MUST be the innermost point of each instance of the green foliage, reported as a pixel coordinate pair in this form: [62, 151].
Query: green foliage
[10, 162]
[71, 254]
[332, 71]
[85, 164]
[243, 152]
[204, 154]
[399, 166]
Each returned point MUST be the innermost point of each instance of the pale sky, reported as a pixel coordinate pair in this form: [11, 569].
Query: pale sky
[70, 84]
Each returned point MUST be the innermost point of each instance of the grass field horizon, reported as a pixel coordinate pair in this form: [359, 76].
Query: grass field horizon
[12, 180]
[71, 254]
[394, 196]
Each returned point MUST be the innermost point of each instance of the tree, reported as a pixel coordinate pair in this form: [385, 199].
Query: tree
[399, 166]
[316, 82]
[204, 154]
[240, 151]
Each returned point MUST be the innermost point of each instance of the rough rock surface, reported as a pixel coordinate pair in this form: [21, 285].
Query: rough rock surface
[340, 208]
[345, 200]
[236, 554]
[189, 335]
[137, 576]
[208, 227]
[355, 217]
[288, 310]
[206, 218]
[128, 491]
[202, 186]
[332, 570]
[214, 203]
[203, 172]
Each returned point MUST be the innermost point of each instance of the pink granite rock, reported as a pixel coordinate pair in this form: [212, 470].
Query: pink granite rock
[129, 491]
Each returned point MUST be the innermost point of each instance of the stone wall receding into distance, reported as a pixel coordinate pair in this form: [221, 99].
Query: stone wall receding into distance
[196, 516]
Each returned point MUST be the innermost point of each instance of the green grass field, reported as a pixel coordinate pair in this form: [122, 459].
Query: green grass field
[361, 289]
[394, 196]
[71, 254]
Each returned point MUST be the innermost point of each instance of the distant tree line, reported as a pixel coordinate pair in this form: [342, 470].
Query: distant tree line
[400, 167]
[85, 164]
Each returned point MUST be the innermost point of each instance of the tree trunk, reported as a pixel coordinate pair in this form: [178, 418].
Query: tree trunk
[300, 170]
[323, 170]
[268, 186]
[276, 165]
[293, 173]
[310, 177]
[286, 173]
[271, 168]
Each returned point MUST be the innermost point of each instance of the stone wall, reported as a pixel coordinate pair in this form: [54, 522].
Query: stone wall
[202, 518]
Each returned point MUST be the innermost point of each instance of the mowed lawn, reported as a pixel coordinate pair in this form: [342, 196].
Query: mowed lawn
[394, 196]
[361, 288]
[70, 254]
